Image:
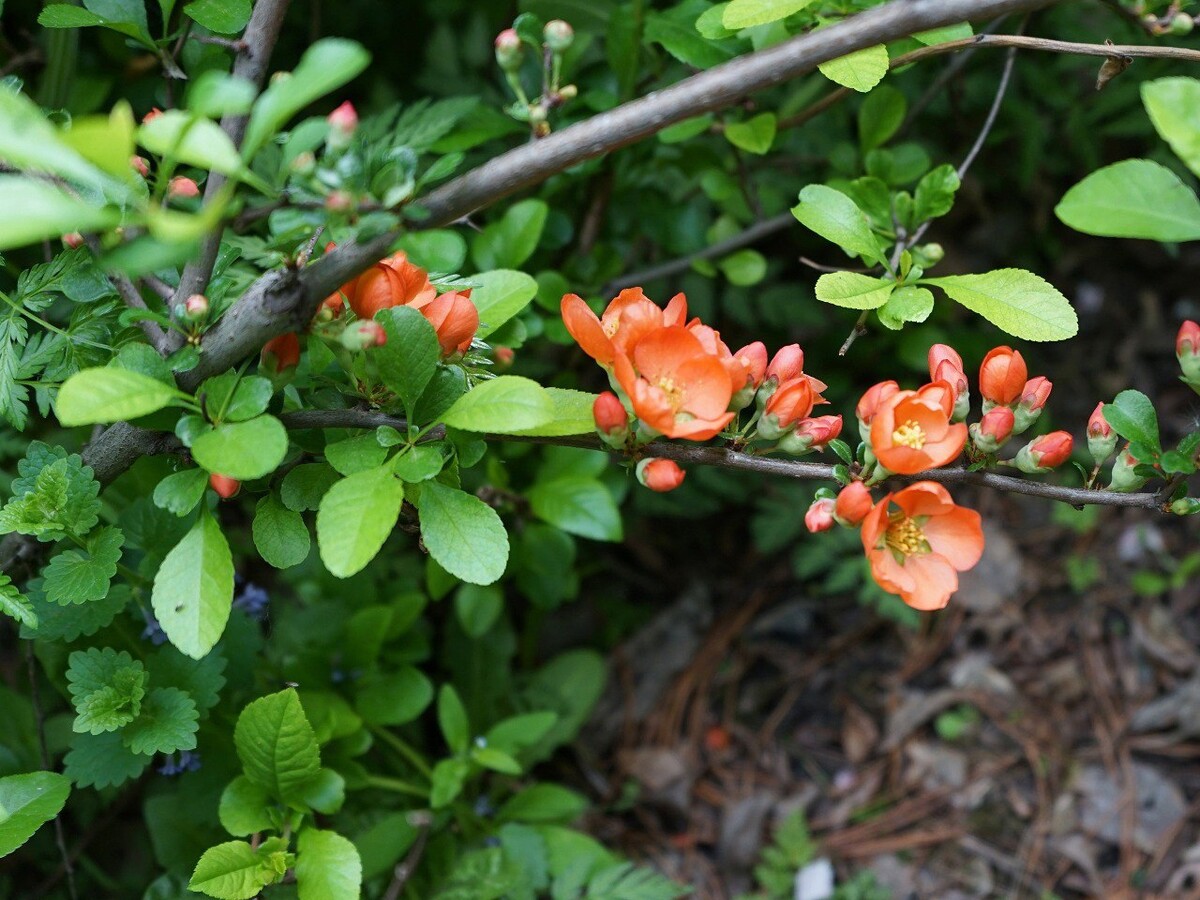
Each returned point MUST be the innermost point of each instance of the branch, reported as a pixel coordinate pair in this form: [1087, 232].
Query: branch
[132, 298]
[253, 53]
[724, 458]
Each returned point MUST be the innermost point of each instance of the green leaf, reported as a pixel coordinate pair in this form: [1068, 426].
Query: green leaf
[280, 535]
[1174, 108]
[837, 218]
[214, 93]
[327, 866]
[753, 135]
[244, 808]
[26, 803]
[1015, 301]
[935, 193]
[56, 499]
[356, 454]
[409, 358]
[907, 304]
[64, 15]
[193, 590]
[503, 405]
[452, 719]
[447, 781]
[516, 732]
[1136, 198]
[179, 493]
[200, 679]
[193, 140]
[221, 16]
[29, 142]
[854, 291]
[16, 605]
[356, 516]
[544, 803]
[326, 793]
[231, 397]
[304, 486]
[46, 212]
[276, 745]
[496, 760]
[230, 871]
[438, 250]
[512, 240]
[77, 577]
[581, 506]
[675, 30]
[242, 450]
[1132, 416]
[325, 66]
[101, 760]
[419, 462]
[463, 534]
[167, 723]
[945, 33]
[477, 608]
[501, 294]
[110, 394]
[859, 71]
[571, 414]
[744, 267]
[66, 623]
[395, 698]
[879, 117]
[106, 687]
[741, 14]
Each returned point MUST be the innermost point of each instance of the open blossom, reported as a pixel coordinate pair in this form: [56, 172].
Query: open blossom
[628, 318]
[871, 400]
[917, 541]
[792, 402]
[710, 340]
[675, 387]
[390, 282]
[1002, 376]
[853, 503]
[455, 319]
[281, 353]
[819, 516]
[911, 430]
[660, 475]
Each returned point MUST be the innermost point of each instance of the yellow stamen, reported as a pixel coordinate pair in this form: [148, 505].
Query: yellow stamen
[674, 393]
[905, 537]
[910, 434]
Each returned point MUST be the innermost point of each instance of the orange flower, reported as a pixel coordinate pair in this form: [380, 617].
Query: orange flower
[710, 340]
[911, 430]
[1002, 376]
[871, 400]
[787, 363]
[917, 548]
[455, 319]
[753, 358]
[820, 515]
[628, 318]
[281, 353]
[610, 414]
[660, 475]
[225, 486]
[1045, 453]
[675, 387]
[390, 282]
[792, 402]
[853, 503]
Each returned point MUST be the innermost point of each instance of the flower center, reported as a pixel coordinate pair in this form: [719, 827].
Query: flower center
[905, 537]
[673, 391]
[910, 434]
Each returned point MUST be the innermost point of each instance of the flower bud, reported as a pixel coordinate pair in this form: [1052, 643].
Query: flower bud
[1187, 350]
[1123, 478]
[140, 165]
[343, 122]
[612, 419]
[304, 163]
[73, 240]
[363, 334]
[954, 376]
[182, 188]
[819, 516]
[504, 356]
[869, 405]
[821, 430]
[929, 254]
[940, 353]
[789, 404]
[508, 50]
[154, 113]
[1033, 399]
[786, 364]
[558, 35]
[225, 486]
[753, 358]
[659, 474]
[1102, 440]
[339, 201]
[1045, 453]
[195, 308]
[990, 432]
[1186, 506]
[1002, 376]
[1181, 24]
[853, 504]
[281, 354]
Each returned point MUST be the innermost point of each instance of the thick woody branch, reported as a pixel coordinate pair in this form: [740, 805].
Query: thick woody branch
[724, 458]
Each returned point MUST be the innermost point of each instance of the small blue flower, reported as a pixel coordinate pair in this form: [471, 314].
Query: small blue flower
[153, 631]
[253, 601]
[178, 763]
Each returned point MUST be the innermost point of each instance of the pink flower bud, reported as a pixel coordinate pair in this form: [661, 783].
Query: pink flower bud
[997, 424]
[753, 358]
[343, 119]
[1102, 440]
[787, 364]
[508, 50]
[1002, 376]
[363, 334]
[659, 474]
[820, 515]
[504, 356]
[225, 486]
[1097, 425]
[140, 165]
[1036, 392]
[1187, 350]
[73, 240]
[940, 353]
[195, 308]
[154, 113]
[853, 503]
[181, 187]
[609, 413]
[1045, 452]
[558, 35]
[338, 202]
[821, 430]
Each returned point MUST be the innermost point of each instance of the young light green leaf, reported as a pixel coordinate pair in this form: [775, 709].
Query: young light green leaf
[179, 493]
[577, 505]
[741, 14]
[276, 745]
[859, 71]
[230, 871]
[111, 394]
[26, 803]
[503, 405]
[1135, 198]
[46, 212]
[280, 534]
[1174, 107]
[244, 807]
[1132, 416]
[77, 577]
[355, 517]
[755, 135]
[242, 450]
[356, 454]
[214, 93]
[409, 358]
[167, 722]
[571, 414]
[452, 719]
[29, 142]
[463, 533]
[837, 218]
[852, 290]
[193, 590]
[66, 15]
[907, 304]
[935, 193]
[328, 866]
[16, 605]
[1015, 301]
[194, 140]
[325, 66]
[501, 294]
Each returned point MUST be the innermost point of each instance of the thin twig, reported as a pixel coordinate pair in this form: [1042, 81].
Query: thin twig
[157, 285]
[132, 298]
[35, 701]
[404, 870]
